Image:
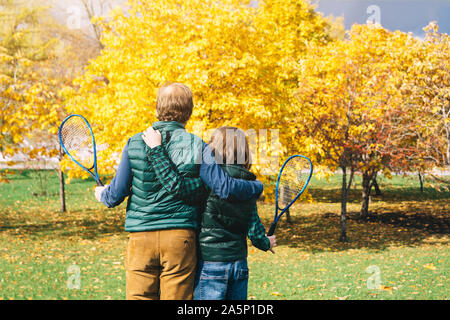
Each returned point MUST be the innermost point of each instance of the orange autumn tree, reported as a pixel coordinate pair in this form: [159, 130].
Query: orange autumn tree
[426, 89]
[349, 106]
[240, 62]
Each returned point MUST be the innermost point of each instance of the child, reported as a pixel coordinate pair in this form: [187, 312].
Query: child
[222, 272]
[161, 253]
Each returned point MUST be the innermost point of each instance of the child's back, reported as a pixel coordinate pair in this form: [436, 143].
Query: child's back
[224, 224]
[222, 272]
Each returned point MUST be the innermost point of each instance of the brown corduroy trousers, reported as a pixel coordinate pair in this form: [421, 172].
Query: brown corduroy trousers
[161, 265]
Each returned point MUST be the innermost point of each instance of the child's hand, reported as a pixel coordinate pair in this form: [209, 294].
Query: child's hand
[152, 137]
[273, 243]
[98, 193]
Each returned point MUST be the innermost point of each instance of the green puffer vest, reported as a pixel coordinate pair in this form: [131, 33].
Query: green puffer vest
[150, 207]
[224, 225]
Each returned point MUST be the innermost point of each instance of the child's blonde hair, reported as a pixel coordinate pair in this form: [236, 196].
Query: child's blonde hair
[231, 143]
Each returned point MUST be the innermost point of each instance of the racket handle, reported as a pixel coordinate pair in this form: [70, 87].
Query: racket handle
[272, 229]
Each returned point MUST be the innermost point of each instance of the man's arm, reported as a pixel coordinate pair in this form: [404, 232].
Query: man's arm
[222, 184]
[120, 186]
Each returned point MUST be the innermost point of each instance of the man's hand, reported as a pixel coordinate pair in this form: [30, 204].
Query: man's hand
[98, 193]
[152, 137]
[273, 243]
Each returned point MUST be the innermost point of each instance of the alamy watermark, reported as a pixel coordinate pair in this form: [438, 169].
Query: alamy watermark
[264, 147]
[74, 17]
[374, 281]
[74, 279]
[374, 13]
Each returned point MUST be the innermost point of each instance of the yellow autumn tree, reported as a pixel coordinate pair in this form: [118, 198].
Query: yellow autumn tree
[240, 61]
[37, 65]
[21, 49]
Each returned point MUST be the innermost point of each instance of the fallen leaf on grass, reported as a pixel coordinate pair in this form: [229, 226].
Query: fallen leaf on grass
[429, 266]
[387, 288]
[276, 294]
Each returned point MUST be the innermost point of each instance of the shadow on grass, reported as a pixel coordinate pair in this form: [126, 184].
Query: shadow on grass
[314, 232]
[83, 227]
[404, 217]
[388, 195]
[319, 233]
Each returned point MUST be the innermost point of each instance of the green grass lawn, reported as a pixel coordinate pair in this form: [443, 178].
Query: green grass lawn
[405, 245]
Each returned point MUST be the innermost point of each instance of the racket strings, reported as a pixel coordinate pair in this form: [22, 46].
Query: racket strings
[76, 138]
[293, 178]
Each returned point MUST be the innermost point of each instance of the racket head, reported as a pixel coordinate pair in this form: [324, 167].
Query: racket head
[77, 140]
[292, 180]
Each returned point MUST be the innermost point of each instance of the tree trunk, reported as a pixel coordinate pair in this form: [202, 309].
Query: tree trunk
[447, 160]
[377, 187]
[62, 191]
[366, 186]
[344, 199]
[421, 182]
[343, 236]
[288, 216]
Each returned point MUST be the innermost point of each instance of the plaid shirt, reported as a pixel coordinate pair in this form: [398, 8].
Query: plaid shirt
[184, 188]
[193, 189]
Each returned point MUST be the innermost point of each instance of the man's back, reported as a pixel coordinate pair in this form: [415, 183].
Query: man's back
[150, 207]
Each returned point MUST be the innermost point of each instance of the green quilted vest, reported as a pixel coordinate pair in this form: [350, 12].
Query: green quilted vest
[224, 224]
[150, 207]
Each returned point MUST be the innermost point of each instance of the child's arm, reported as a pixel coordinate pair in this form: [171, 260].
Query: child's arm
[257, 233]
[185, 188]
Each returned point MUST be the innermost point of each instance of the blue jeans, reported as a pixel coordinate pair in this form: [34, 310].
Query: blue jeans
[221, 280]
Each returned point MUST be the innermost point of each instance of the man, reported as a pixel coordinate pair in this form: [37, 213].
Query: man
[161, 254]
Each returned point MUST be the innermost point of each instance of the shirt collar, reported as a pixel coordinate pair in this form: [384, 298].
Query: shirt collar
[167, 125]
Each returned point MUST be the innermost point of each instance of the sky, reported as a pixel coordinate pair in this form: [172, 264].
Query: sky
[403, 15]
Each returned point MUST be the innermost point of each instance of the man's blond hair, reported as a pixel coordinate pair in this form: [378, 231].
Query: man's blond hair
[174, 102]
